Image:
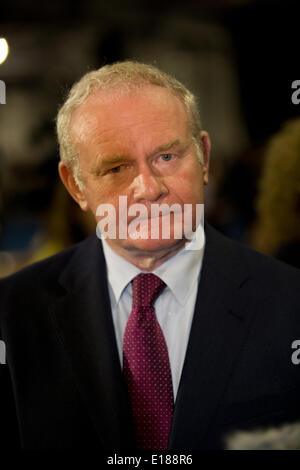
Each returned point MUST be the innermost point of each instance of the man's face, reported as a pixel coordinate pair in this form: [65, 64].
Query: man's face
[139, 146]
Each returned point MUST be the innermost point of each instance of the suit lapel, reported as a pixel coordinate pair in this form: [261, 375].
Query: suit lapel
[84, 321]
[220, 326]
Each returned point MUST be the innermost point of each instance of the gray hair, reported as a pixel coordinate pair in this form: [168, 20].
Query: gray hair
[121, 76]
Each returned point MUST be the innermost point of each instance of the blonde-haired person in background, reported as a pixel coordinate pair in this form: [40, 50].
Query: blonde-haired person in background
[277, 227]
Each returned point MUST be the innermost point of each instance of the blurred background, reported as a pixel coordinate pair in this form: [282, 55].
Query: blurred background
[238, 56]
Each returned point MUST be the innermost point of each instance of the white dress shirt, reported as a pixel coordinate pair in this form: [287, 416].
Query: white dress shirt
[174, 307]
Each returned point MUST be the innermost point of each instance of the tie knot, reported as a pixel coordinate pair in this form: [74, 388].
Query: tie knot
[145, 289]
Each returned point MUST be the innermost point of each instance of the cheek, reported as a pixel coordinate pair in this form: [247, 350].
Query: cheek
[188, 184]
[97, 193]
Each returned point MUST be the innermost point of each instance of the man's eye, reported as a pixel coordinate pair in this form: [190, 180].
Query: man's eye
[116, 169]
[166, 157]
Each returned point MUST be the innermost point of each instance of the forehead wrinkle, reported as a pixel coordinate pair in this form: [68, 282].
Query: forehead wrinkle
[101, 106]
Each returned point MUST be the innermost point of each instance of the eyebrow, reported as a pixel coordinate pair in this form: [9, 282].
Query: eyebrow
[165, 147]
[107, 161]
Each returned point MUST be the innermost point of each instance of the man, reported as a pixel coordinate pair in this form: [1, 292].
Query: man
[142, 340]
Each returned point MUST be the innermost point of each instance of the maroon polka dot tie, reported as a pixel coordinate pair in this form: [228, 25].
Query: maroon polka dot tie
[146, 366]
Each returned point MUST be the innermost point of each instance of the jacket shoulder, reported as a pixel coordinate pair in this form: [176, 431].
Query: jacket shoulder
[268, 270]
[36, 280]
[46, 268]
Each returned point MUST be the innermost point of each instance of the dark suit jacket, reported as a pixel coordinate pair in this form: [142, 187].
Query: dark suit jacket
[63, 364]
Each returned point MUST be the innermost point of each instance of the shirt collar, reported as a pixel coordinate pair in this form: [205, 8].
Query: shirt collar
[187, 262]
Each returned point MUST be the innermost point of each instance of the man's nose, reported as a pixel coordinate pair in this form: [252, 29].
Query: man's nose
[148, 186]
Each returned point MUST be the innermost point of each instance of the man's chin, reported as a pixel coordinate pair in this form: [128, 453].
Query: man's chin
[147, 244]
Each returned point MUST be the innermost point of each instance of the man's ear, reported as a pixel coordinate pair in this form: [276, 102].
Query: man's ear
[67, 177]
[206, 146]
